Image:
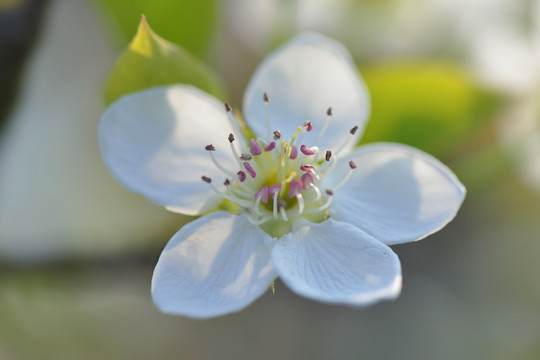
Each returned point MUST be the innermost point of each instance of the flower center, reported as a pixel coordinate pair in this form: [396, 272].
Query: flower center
[277, 180]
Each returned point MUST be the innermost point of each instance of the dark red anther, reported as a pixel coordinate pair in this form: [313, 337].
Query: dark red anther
[329, 192]
[226, 182]
[329, 111]
[206, 179]
[266, 98]
[210, 148]
[354, 129]
[231, 137]
[228, 107]
[328, 155]
[352, 164]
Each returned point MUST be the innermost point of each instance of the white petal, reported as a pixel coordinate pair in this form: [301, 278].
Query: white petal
[303, 79]
[153, 142]
[397, 193]
[337, 263]
[216, 265]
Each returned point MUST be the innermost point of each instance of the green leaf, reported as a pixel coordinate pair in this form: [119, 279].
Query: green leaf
[151, 60]
[188, 23]
[432, 106]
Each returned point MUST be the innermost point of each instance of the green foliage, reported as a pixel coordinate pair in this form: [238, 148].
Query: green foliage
[429, 105]
[189, 23]
[150, 60]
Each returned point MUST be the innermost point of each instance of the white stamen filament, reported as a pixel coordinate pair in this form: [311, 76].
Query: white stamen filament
[323, 130]
[338, 186]
[231, 197]
[300, 204]
[235, 154]
[319, 208]
[218, 165]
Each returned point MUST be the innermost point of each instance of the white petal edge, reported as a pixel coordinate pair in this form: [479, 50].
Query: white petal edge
[215, 265]
[397, 193]
[303, 78]
[153, 143]
[335, 262]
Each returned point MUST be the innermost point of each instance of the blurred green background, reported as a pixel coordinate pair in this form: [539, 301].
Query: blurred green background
[458, 79]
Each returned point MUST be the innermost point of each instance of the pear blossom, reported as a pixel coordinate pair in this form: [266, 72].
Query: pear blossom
[283, 193]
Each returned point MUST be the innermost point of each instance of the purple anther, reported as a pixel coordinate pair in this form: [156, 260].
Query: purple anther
[210, 148]
[308, 126]
[295, 188]
[294, 152]
[206, 179]
[306, 167]
[354, 130]
[306, 151]
[329, 111]
[228, 107]
[266, 98]
[277, 134]
[352, 164]
[275, 190]
[329, 192]
[241, 176]
[254, 147]
[328, 155]
[250, 170]
[270, 146]
[226, 182]
[231, 137]
[263, 194]
[307, 180]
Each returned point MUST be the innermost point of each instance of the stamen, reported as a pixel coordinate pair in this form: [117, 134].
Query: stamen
[277, 135]
[241, 176]
[328, 155]
[232, 118]
[250, 170]
[348, 140]
[210, 148]
[226, 182]
[306, 167]
[266, 100]
[307, 151]
[281, 205]
[325, 126]
[294, 152]
[270, 146]
[307, 180]
[295, 187]
[300, 204]
[245, 157]
[206, 179]
[318, 194]
[329, 192]
[352, 166]
[275, 190]
[308, 126]
[262, 194]
[233, 149]
[255, 147]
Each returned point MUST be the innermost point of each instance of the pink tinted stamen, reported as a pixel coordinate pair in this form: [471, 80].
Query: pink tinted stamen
[275, 190]
[263, 194]
[241, 176]
[295, 188]
[306, 167]
[306, 151]
[255, 147]
[307, 180]
[270, 146]
[250, 170]
[308, 126]
[294, 152]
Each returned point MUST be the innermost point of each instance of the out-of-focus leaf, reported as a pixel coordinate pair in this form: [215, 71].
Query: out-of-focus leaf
[188, 23]
[151, 60]
[429, 105]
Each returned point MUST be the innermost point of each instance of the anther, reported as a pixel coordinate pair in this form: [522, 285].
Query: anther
[231, 137]
[241, 176]
[254, 147]
[307, 180]
[245, 157]
[266, 98]
[250, 170]
[294, 153]
[306, 151]
[295, 187]
[353, 130]
[206, 179]
[306, 167]
[329, 192]
[277, 135]
[329, 111]
[270, 146]
[328, 155]
[308, 126]
[228, 107]
[262, 194]
[352, 164]
[210, 148]
[226, 182]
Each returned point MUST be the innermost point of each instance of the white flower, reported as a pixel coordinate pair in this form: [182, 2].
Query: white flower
[311, 208]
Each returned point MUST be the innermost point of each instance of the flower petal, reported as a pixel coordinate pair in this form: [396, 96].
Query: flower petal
[153, 143]
[397, 193]
[215, 265]
[303, 79]
[337, 263]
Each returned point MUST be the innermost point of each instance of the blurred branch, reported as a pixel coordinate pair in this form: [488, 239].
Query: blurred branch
[19, 25]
